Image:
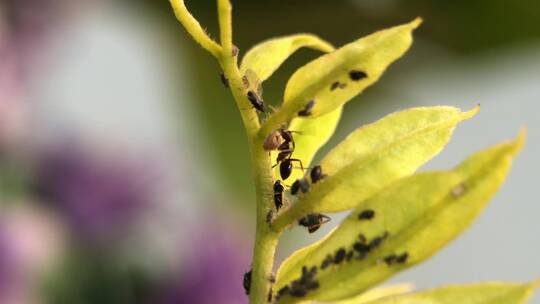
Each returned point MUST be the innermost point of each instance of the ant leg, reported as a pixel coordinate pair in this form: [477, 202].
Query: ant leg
[297, 160]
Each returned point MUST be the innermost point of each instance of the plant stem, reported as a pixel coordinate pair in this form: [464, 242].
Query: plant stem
[193, 27]
[265, 240]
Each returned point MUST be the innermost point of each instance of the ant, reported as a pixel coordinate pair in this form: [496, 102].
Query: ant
[285, 167]
[313, 221]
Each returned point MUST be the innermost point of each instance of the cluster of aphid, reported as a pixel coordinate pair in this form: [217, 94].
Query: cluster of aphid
[282, 140]
[359, 251]
[300, 287]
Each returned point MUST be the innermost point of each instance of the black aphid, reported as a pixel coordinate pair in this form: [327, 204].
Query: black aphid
[375, 242]
[328, 260]
[270, 216]
[402, 258]
[357, 75]
[269, 297]
[224, 80]
[307, 109]
[312, 285]
[300, 185]
[366, 215]
[390, 259]
[247, 281]
[334, 86]
[316, 174]
[278, 194]
[256, 101]
[340, 255]
[298, 292]
[361, 247]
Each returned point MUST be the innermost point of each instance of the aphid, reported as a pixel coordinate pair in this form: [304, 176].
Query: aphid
[375, 242]
[245, 81]
[459, 190]
[224, 80]
[313, 221]
[247, 281]
[307, 109]
[390, 259]
[285, 167]
[402, 258]
[273, 141]
[312, 285]
[278, 194]
[361, 247]
[256, 101]
[284, 290]
[298, 292]
[300, 185]
[366, 215]
[342, 85]
[340, 255]
[334, 86]
[269, 297]
[327, 261]
[357, 75]
[269, 216]
[316, 174]
[234, 51]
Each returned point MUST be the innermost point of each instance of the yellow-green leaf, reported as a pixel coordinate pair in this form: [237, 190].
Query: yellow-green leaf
[328, 81]
[374, 156]
[265, 58]
[310, 135]
[484, 293]
[416, 216]
[378, 293]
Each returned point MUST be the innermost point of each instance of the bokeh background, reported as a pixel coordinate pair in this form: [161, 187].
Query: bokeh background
[123, 172]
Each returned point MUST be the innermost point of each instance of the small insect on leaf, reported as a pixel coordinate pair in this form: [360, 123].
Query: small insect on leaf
[415, 217]
[335, 78]
[265, 58]
[375, 155]
[484, 293]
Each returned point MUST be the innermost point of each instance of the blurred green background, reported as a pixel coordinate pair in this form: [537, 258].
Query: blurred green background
[123, 160]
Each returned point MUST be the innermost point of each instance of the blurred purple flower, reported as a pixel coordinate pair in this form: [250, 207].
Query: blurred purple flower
[214, 269]
[100, 197]
[30, 242]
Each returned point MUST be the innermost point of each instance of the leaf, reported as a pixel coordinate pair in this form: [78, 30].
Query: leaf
[374, 156]
[327, 80]
[310, 135]
[485, 293]
[416, 216]
[378, 293]
[265, 58]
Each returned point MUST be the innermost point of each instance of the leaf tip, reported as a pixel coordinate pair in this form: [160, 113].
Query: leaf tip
[519, 142]
[472, 112]
[416, 23]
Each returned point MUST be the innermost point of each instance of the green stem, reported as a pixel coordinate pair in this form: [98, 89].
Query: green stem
[265, 239]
